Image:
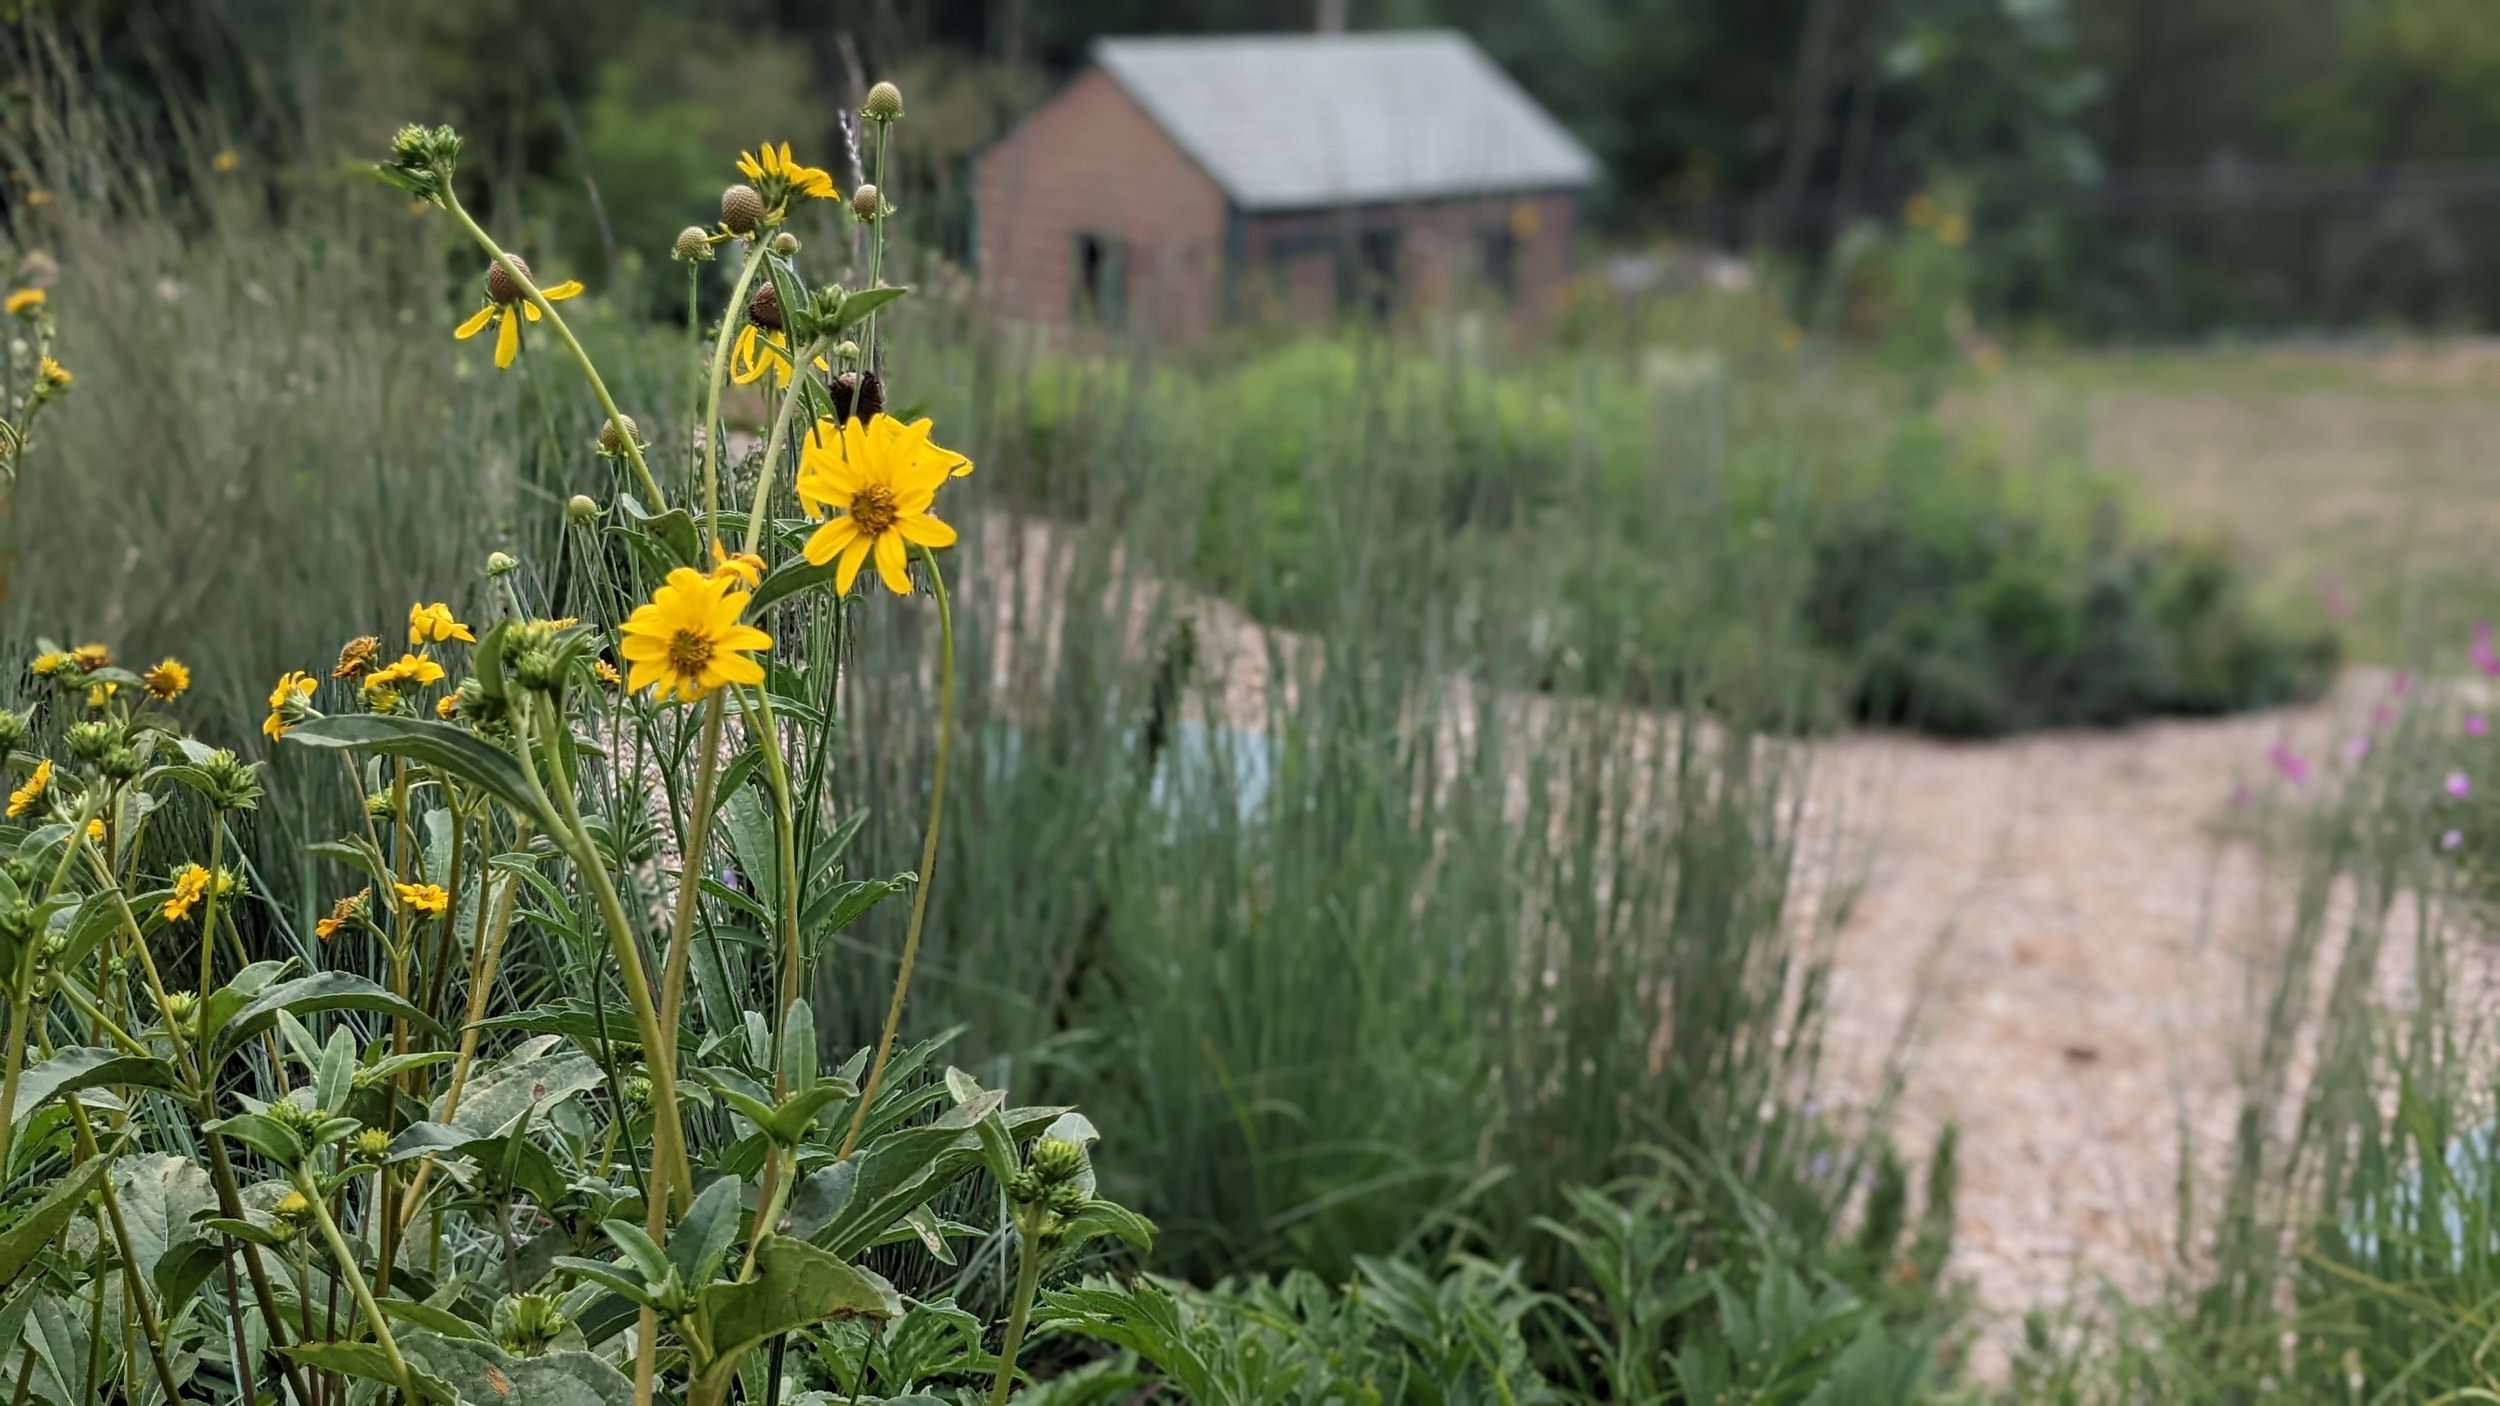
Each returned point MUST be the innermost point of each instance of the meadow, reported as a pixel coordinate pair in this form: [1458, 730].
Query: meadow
[1374, 788]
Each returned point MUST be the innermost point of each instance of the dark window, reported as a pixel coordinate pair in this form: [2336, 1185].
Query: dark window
[1372, 279]
[1101, 283]
[1500, 259]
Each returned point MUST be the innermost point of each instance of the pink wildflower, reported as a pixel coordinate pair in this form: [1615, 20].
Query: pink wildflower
[2287, 763]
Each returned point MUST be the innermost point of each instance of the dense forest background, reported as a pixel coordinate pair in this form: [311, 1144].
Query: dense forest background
[2134, 168]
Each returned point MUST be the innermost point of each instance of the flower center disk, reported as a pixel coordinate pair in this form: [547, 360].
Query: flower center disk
[689, 652]
[874, 509]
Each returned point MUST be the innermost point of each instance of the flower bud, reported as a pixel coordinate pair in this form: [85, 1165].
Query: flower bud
[379, 807]
[295, 1205]
[178, 1008]
[527, 1323]
[1056, 1160]
[693, 245]
[866, 203]
[89, 741]
[848, 351]
[581, 507]
[13, 727]
[885, 104]
[618, 433]
[501, 564]
[741, 209]
[233, 783]
[785, 244]
[637, 1090]
[120, 764]
[370, 1145]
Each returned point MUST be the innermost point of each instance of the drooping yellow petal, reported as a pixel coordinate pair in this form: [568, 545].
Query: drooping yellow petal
[569, 288]
[476, 323]
[507, 340]
[891, 555]
[530, 311]
[854, 552]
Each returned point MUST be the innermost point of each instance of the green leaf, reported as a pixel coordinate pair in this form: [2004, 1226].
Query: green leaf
[574, 1018]
[30, 1232]
[669, 539]
[368, 1362]
[434, 744]
[163, 1197]
[795, 1286]
[501, 1095]
[322, 991]
[263, 1134]
[485, 1374]
[356, 853]
[88, 1067]
[704, 1234]
[857, 306]
[611, 1277]
[1096, 1219]
[843, 904]
[791, 576]
[432, 1319]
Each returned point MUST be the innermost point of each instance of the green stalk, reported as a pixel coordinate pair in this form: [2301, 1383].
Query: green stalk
[775, 442]
[928, 852]
[711, 392]
[689, 897]
[208, 918]
[132, 1288]
[598, 387]
[668, 1135]
[356, 1284]
[876, 253]
[1028, 1275]
[19, 1010]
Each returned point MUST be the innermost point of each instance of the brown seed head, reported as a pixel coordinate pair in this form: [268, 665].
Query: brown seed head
[616, 434]
[858, 395]
[741, 209]
[885, 103]
[765, 311]
[864, 202]
[499, 283]
[692, 243]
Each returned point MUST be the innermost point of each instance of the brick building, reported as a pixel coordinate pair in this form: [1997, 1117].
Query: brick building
[1178, 185]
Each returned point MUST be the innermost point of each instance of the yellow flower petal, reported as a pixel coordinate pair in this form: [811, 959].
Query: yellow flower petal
[476, 323]
[827, 541]
[925, 530]
[853, 553]
[891, 555]
[507, 341]
[569, 288]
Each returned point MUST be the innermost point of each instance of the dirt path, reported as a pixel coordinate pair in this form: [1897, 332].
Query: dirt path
[2072, 921]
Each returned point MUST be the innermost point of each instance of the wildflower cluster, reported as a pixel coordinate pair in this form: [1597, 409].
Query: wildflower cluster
[36, 378]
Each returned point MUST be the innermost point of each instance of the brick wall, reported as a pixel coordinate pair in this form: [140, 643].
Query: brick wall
[1090, 161]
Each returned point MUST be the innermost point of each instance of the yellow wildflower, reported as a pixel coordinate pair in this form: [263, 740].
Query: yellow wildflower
[411, 668]
[99, 694]
[607, 673]
[687, 641]
[506, 306]
[169, 680]
[428, 899]
[24, 798]
[38, 196]
[447, 705]
[95, 831]
[433, 624]
[190, 886]
[347, 910]
[53, 374]
[355, 655]
[22, 301]
[294, 688]
[883, 475]
[48, 664]
[777, 177]
[1953, 231]
[92, 657]
[745, 568]
[226, 163]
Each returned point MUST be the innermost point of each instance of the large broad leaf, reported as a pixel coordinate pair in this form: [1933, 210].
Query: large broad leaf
[368, 1361]
[792, 576]
[435, 744]
[795, 1286]
[486, 1375]
[501, 1095]
[29, 1233]
[163, 1197]
[703, 1236]
[857, 306]
[87, 1067]
[850, 1205]
[322, 991]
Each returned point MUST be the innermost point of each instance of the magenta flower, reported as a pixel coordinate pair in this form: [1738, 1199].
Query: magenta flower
[2485, 658]
[2287, 763]
[2458, 787]
[2452, 839]
[2404, 683]
[2476, 725]
[2355, 748]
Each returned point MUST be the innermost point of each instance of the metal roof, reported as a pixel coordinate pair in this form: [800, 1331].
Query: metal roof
[1300, 121]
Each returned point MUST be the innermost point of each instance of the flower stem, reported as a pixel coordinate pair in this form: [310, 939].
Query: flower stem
[356, 1284]
[1028, 1276]
[876, 251]
[773, 445]
[19, 1009]
[719, 372]
[668, 1134]
[598, 387]
[208, 919]
[928, 852]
